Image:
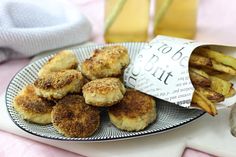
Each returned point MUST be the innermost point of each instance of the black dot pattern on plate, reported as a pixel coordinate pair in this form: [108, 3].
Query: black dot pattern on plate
[169, 115]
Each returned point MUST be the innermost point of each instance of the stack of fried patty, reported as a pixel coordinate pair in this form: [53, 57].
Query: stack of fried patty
[71, 100]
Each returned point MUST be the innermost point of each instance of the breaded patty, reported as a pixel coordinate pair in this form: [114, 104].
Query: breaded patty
[33, 108]
[134, 112]
[56, 85]
[106, 62]
[61, 61]
[73, 118]
[103, 92]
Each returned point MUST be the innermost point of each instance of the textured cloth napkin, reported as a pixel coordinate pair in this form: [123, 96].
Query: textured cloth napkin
[28, 27]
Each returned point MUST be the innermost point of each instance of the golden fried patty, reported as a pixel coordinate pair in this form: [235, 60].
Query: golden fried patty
[134, 112]
[103, 92]
[56, 85]
[33, 108]
[73, 118]
[61, 61]
[106, 62]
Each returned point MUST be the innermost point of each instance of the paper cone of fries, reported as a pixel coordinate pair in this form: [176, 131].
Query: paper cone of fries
[187, 73]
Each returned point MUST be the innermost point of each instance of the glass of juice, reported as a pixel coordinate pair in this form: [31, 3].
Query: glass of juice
[175, 18]
[126, 20]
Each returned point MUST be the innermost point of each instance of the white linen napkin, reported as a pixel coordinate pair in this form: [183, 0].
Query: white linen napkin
[28, 27]
[208, 134]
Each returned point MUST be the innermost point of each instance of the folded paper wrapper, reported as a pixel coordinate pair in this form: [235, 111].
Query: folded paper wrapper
[161, 70]
[216, 139]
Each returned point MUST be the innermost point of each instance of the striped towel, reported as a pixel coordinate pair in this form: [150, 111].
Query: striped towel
[29, 27]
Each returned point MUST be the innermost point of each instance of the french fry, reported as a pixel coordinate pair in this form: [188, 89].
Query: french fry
[196, 60]
[204, 62]
[210, 71]
[224, 76]
[202, 102]
[200, 72]
[199, 80]
[220, 86]
[231, 93]
[223, 68]
[219, 57]
[211, 95]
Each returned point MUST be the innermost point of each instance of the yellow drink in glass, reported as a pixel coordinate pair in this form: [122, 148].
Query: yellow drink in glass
[178, 18]
[126, 20]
